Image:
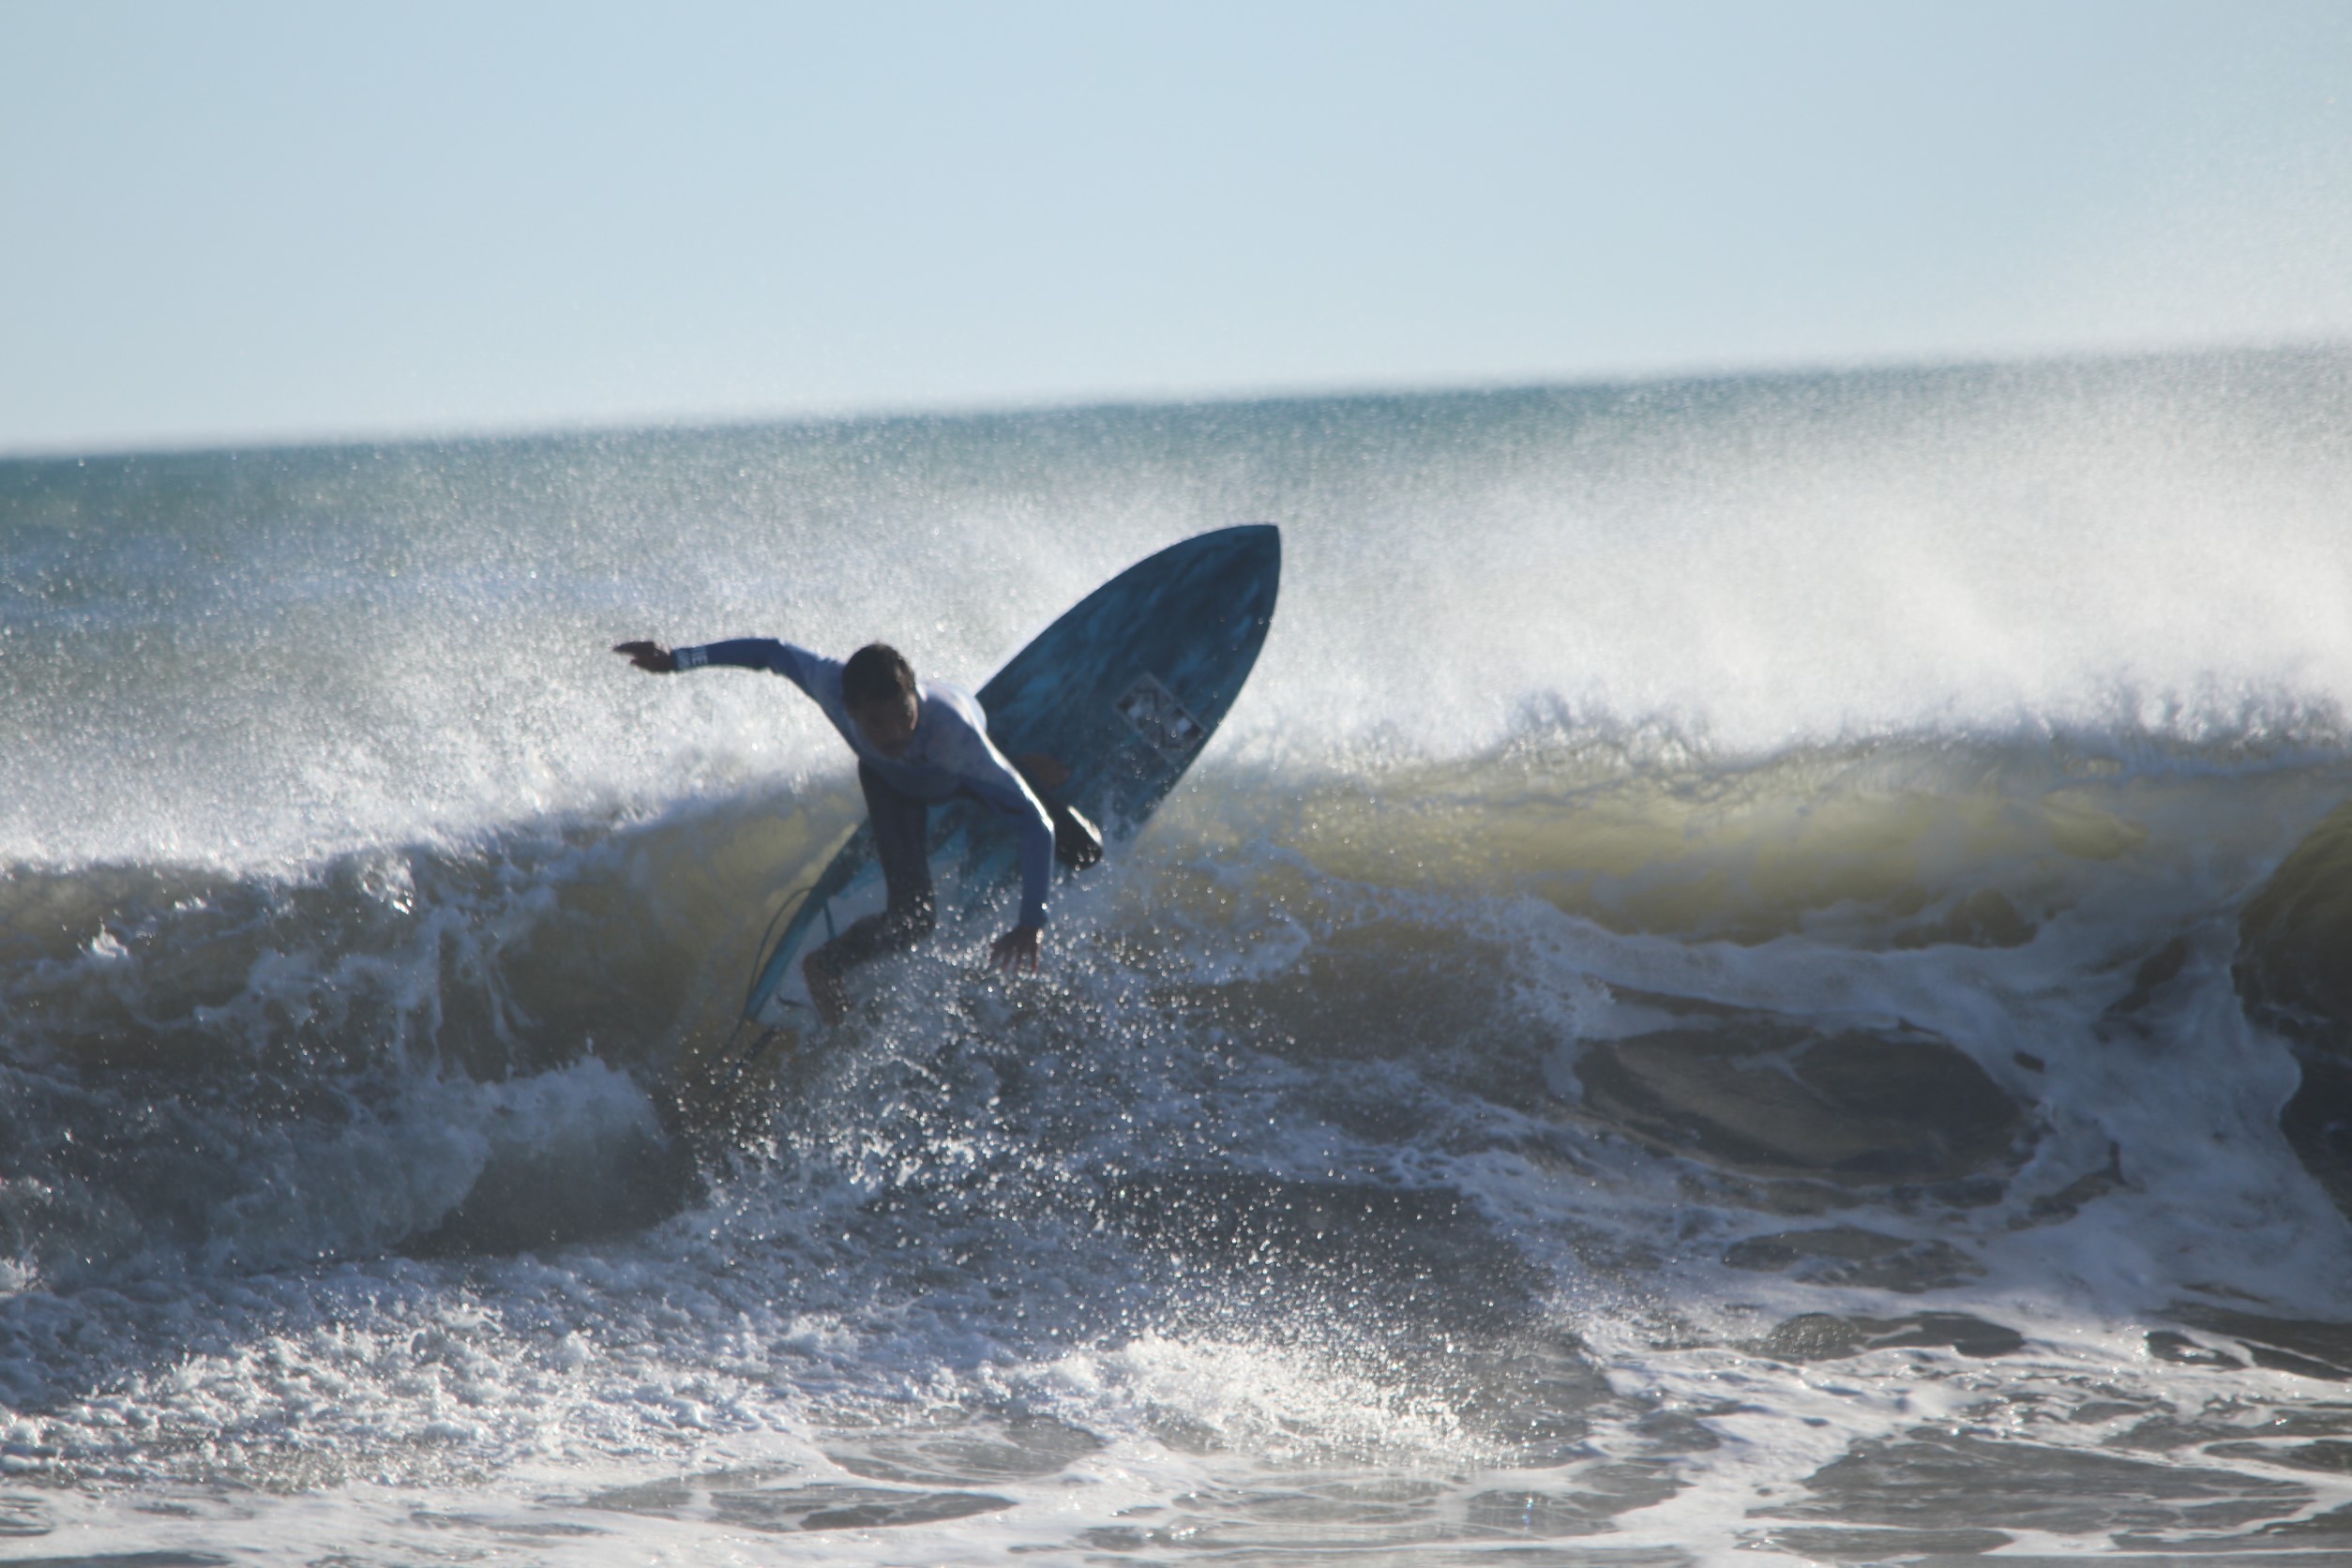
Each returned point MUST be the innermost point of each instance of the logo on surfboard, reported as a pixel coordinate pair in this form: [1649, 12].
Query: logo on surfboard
[1160, 719]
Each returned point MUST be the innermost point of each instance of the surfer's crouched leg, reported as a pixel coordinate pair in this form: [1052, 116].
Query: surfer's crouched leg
[902, 828]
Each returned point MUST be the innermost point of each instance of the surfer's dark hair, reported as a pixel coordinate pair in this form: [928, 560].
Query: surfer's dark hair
[877, 672]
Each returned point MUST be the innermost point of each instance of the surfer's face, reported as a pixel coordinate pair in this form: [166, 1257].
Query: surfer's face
[889, 724]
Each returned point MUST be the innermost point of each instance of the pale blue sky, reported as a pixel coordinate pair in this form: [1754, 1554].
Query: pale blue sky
[245, 221]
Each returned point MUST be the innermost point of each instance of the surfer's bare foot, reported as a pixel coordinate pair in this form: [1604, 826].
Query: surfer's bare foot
[825, 990]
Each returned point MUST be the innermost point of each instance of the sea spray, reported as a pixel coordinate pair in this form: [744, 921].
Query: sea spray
[1730, 987]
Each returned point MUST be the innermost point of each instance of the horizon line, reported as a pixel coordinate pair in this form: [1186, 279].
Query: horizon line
[495, 432]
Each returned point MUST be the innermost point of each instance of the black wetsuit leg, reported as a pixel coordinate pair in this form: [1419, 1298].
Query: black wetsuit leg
[901, 826]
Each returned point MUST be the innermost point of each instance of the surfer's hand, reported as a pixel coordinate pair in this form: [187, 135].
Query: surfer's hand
[1016, 950]
[648, 656]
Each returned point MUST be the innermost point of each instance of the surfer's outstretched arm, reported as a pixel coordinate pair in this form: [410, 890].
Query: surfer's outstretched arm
[814, 674]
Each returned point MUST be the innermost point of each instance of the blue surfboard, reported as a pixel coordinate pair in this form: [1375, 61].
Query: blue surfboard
[1124, 690]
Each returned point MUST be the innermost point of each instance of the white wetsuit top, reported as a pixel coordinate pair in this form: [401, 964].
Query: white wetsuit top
[949, 754]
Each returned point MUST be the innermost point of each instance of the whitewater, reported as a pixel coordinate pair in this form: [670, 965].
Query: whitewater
[1758, 976]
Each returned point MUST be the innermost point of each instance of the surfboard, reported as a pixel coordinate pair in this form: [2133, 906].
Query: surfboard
[1124, 690]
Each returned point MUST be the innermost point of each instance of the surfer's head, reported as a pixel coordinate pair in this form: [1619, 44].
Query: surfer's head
[878, 688]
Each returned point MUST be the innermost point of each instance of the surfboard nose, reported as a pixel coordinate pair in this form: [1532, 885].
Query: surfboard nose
[1259, 543]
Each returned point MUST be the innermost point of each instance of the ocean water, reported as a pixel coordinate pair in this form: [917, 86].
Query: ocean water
[1762, 974]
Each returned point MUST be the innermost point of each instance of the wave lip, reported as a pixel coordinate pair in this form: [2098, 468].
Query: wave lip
[304, 653]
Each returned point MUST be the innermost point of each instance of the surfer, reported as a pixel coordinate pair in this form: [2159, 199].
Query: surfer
[917, 745]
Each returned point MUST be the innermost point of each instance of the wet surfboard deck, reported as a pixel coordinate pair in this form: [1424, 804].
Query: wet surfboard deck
[1124, 690]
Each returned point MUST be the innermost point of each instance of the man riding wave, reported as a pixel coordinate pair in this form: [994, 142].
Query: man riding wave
[917, 745]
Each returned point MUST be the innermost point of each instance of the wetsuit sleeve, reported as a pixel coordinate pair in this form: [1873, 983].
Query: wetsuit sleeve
[984, 771]
[797, 665]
